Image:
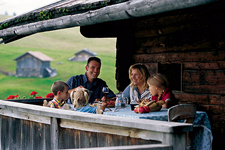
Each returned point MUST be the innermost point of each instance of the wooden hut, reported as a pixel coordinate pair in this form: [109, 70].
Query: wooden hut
[182, 39]
[34, 64]
[82, 55]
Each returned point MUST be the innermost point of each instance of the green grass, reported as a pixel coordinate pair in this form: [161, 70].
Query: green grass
[59, 45]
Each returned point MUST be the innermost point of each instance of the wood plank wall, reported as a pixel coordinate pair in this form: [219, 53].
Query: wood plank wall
[29, 135]
[194, 38]
[23, 134]
[86, 139]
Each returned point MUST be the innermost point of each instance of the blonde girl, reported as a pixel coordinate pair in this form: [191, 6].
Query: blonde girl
[158, 86]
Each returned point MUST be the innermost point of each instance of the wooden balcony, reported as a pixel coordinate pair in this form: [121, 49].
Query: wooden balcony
[27, 126]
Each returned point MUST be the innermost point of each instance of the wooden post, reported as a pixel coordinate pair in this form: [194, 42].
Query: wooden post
[54, 133]
[124, 59]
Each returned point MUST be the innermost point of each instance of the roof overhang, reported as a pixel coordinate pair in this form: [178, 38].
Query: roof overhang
[120, 11]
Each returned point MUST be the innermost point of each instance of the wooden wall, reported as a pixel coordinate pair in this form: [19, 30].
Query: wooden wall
[195, 39]
[29, 135]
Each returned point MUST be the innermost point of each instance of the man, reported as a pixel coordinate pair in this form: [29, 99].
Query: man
[90, 81]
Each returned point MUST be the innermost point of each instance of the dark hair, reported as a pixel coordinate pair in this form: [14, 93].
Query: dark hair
[58, 86]
[93, 58]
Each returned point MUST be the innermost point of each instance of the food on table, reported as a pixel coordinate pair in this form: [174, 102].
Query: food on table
[153, 105]
[139, 110]
[148, 106]
[136, 109]
[160, 103]
[104, 104]
[110, 104]
[147, 109]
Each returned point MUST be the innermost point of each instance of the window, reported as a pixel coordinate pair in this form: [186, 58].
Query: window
[173, 72]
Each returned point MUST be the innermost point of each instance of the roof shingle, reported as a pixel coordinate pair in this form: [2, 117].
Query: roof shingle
[38, 55]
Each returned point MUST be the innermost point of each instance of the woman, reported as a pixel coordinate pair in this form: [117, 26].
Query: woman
[158, 86]
[138, 88]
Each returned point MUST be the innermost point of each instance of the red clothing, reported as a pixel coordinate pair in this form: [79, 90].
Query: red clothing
[167, 94]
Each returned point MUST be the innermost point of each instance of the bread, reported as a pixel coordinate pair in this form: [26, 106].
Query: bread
[160, 103]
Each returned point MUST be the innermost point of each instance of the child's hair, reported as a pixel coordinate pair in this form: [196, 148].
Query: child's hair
[142, 69]
[158, 80]
[58, 86]
[80, 97]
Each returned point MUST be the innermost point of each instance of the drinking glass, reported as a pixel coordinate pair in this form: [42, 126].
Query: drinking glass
[105, 91]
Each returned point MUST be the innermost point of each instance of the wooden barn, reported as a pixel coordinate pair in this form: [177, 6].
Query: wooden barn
[82, 55]
[34, 64]
[183, 39]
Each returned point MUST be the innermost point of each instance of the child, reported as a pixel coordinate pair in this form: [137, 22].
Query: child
[79, 100]
[158, 86]
[60, 91]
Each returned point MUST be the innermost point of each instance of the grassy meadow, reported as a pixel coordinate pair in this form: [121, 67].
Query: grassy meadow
[59, 45]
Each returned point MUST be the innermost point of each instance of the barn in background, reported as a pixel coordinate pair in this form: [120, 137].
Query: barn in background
[34, 64]
[82, 55]
[183, 39]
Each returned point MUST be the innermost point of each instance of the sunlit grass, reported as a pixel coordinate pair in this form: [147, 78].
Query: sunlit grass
[59, 45]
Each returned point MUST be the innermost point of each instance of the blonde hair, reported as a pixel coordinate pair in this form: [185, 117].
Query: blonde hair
[158, 80]
[80, 97]
[142, 69]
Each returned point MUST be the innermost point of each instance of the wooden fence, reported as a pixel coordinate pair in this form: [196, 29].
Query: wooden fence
[32, 127]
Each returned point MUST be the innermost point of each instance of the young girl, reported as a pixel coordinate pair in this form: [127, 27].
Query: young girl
[158, 86]
[79, 99]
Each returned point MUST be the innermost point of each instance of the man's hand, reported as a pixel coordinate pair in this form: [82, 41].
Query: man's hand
[108, 99]
[104, 98]
[74, 89]
[97, 99]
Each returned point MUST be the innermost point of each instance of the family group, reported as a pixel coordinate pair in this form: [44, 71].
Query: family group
[87, 88]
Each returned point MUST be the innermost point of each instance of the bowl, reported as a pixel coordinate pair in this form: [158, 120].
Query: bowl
[132, 106]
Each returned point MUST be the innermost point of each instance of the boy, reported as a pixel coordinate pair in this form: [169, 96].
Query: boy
[60, 91]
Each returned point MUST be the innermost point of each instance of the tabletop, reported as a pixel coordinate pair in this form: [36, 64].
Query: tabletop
[202, 139]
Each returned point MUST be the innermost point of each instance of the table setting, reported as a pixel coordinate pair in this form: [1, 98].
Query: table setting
[202, 135]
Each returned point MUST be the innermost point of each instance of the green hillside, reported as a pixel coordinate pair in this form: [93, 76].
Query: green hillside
[59, 45]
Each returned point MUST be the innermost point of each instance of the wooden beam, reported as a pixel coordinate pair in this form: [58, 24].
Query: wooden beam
[137, 8]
